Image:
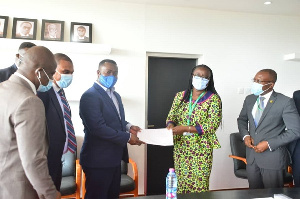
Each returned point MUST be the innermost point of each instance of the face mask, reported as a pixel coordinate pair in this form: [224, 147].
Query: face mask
[200, 83]
[108, 81]
[65, 80]
[256, 88]
[43, 88]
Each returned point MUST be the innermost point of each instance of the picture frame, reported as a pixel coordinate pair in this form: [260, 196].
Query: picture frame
[81, 32]
[52, 30]
[24, 28]
[3, 26]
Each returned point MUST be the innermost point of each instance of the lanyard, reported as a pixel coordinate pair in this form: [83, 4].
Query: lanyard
[191, 107]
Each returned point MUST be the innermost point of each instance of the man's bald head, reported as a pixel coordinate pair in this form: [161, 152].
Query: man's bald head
[37, 59]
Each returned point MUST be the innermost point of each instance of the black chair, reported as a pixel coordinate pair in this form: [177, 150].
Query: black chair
[238, 150]
[71, 176]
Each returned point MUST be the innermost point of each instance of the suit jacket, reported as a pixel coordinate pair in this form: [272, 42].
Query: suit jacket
[23, 144]
[105, 140]
[85, 39]
[18, 35]
[279, 114]
[5, 73]
[57, 134]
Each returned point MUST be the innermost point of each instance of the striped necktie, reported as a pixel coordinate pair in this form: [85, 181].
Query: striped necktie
[259, 110]
[67, 115]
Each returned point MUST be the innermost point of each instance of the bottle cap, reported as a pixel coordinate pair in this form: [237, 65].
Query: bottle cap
[171, 170]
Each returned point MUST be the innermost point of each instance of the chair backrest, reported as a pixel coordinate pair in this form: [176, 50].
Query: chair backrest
[238, 148]
[124, 167]
[68, 164]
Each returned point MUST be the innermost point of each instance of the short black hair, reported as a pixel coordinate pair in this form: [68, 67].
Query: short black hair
[106, 60]
[272, 74]
[61, 56]
[26, 45]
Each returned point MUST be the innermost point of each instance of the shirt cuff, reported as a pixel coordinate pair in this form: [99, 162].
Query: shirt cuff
[245, 137]
[128, 126]
[170, 122]
[129, 137]
[199, 130]
[269, 146]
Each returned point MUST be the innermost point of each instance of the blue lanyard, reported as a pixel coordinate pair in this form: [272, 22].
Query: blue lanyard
[191, 107]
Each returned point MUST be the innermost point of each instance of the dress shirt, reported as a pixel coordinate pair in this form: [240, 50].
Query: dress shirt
[27, 80]
[56, 89]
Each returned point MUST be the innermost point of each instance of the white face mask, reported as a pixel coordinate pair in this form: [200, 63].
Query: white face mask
[200, 83]
[257, 90]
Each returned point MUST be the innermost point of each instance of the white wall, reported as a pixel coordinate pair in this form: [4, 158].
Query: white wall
[234, 45]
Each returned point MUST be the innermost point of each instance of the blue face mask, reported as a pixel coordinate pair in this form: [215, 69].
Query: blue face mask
[256, 88]
[43, 88]
[200, 83]
[108, 81]
[65, 80]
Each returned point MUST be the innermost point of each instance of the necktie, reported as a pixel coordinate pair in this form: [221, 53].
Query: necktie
[67, 115]
[259, 110]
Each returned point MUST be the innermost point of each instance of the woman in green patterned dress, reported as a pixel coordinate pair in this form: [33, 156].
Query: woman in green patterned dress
[194, 117]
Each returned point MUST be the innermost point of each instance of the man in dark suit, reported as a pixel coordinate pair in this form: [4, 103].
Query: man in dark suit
[294, 147]
[7, 72]
[268, 121]
[24, 30]
[106, 134]
[57, 121]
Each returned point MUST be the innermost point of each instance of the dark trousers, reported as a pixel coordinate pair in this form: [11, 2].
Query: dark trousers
[102, 183]
[260, 178]
[296, 164]
[56, 174]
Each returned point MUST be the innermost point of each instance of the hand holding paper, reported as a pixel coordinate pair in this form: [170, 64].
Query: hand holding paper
[163, 137]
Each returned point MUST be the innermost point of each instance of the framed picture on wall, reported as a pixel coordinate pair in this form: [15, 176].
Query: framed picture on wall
[3, 26]
[81, 32]
[24, 28]
[52, 30]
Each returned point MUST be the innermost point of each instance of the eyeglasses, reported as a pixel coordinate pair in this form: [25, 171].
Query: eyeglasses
[258, 81]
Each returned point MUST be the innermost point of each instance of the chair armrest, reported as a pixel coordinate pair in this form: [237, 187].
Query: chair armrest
[78, 176]
[135, 172]
[290, 170]
[238, 158]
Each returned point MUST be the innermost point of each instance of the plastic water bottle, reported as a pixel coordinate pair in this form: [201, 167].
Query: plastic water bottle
[171, 184]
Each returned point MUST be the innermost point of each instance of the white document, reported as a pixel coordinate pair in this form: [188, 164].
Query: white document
[162, 137]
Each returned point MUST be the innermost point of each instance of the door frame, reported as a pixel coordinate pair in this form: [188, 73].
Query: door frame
[199, 59]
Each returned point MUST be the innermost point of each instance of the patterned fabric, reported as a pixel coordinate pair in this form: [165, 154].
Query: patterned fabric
[67, 115]
[193, 153]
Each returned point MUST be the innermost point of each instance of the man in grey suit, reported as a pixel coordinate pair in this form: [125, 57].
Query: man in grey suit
[23, 144]
[268, 121]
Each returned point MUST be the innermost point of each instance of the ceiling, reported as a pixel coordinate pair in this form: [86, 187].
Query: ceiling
[278, 7]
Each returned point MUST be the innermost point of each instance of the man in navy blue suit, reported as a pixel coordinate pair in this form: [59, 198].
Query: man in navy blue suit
[106, 134]
[7, 72]
[294, 147]
[55, 114]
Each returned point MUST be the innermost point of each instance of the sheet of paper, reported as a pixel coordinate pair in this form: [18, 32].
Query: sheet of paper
[162, 137]
[264, 198]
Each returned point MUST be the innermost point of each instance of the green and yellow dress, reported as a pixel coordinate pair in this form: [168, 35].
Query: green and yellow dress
[193, 154]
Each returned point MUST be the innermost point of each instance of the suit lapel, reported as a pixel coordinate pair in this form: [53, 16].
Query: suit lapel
[250, 107]
[57, 106]
[106, 97]
[270, 103]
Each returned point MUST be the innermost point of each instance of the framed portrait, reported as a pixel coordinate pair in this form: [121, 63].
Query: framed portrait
[81, 32]
[24, 28]
[52, 30]
[3, 26]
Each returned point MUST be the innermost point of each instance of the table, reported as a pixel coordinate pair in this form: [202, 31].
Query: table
[234, 194]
